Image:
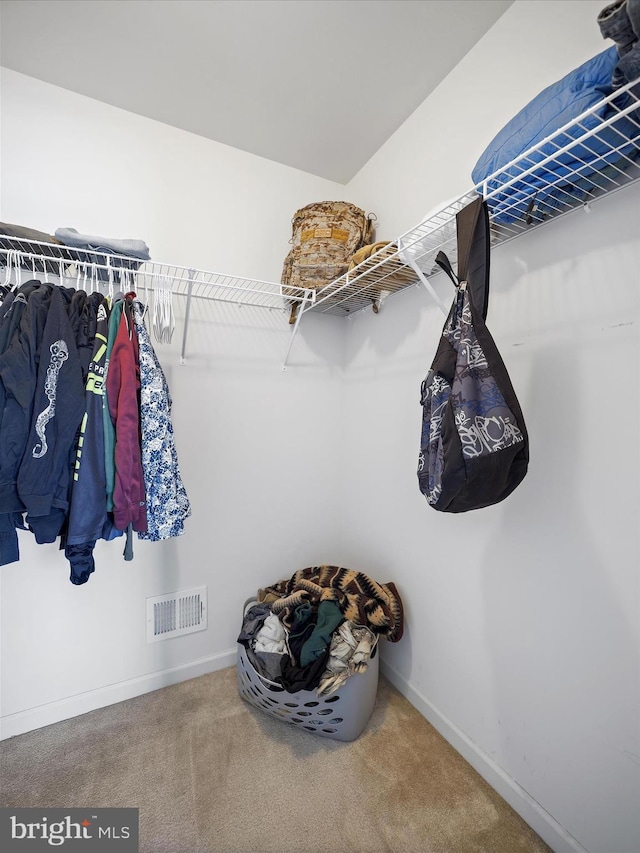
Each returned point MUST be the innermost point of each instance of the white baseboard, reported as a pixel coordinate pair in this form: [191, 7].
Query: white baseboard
[54, 712]
[551, 832]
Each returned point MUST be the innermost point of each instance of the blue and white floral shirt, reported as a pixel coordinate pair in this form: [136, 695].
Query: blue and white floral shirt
[167, 501]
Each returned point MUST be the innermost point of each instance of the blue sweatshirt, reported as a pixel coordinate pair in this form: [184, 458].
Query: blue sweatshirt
[58, 406]
[18, 374]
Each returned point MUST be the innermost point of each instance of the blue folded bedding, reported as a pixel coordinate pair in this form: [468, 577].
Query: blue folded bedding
[567, 177]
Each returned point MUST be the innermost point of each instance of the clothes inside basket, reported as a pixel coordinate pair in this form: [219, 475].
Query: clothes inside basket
[319, 651]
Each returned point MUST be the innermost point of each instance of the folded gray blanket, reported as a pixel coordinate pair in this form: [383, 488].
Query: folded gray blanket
[115, 246]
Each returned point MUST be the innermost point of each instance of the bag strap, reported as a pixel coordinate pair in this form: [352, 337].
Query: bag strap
[472, 225]
[473, 241]
[443, 261]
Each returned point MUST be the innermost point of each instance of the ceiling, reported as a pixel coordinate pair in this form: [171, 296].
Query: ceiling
[318, 85]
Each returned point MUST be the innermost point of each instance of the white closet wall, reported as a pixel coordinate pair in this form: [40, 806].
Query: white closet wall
[521, 640]
[429, 159]
[258, 446]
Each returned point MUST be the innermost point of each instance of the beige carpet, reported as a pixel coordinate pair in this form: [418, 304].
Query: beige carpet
[211, 774]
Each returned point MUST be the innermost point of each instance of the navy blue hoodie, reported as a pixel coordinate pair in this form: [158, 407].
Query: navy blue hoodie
[44, 475]
[19, 373]
[11, 311]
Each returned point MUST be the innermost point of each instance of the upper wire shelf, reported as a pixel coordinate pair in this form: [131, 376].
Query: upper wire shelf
[592, 156]
[92, 269]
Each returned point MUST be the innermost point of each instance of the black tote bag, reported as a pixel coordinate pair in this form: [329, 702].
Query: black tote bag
[474, 446]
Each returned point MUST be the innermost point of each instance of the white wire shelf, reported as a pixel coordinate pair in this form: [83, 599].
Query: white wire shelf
[92, 270]
[592, 156]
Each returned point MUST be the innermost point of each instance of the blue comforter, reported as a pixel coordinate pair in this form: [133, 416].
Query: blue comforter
[569, 176]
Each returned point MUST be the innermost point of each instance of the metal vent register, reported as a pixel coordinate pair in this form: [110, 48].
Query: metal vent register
[176, 613]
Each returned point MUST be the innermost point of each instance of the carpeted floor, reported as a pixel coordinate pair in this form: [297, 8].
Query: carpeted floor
[211, 774]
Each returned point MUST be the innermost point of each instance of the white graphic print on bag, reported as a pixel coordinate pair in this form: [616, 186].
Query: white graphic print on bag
[484, 422]
[435, 396]
[59, 354]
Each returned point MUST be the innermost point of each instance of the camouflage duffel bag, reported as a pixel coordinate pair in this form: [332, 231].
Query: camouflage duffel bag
[325, 236]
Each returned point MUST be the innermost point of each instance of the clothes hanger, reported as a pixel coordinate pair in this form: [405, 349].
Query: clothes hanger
[163, 317]
[7, 269]
[169, 315]
[135, 286]
[15, 258]
[111, 285]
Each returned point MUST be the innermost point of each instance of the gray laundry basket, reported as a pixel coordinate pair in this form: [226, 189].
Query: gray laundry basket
[342, 715]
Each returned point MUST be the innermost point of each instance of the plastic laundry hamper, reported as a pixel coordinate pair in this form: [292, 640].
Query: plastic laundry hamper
[342, 715]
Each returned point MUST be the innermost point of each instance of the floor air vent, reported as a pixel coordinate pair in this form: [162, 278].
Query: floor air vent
[176, 614]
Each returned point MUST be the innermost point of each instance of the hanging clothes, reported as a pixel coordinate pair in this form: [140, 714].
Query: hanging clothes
[88, 516]
[109, 430]
[85, 425]
[43, 481]
[167, 502]
[123, 386]
[11, 311]
[18, 374]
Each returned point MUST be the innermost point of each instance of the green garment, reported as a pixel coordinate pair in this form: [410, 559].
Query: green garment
[329, 617]
[109, 427]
